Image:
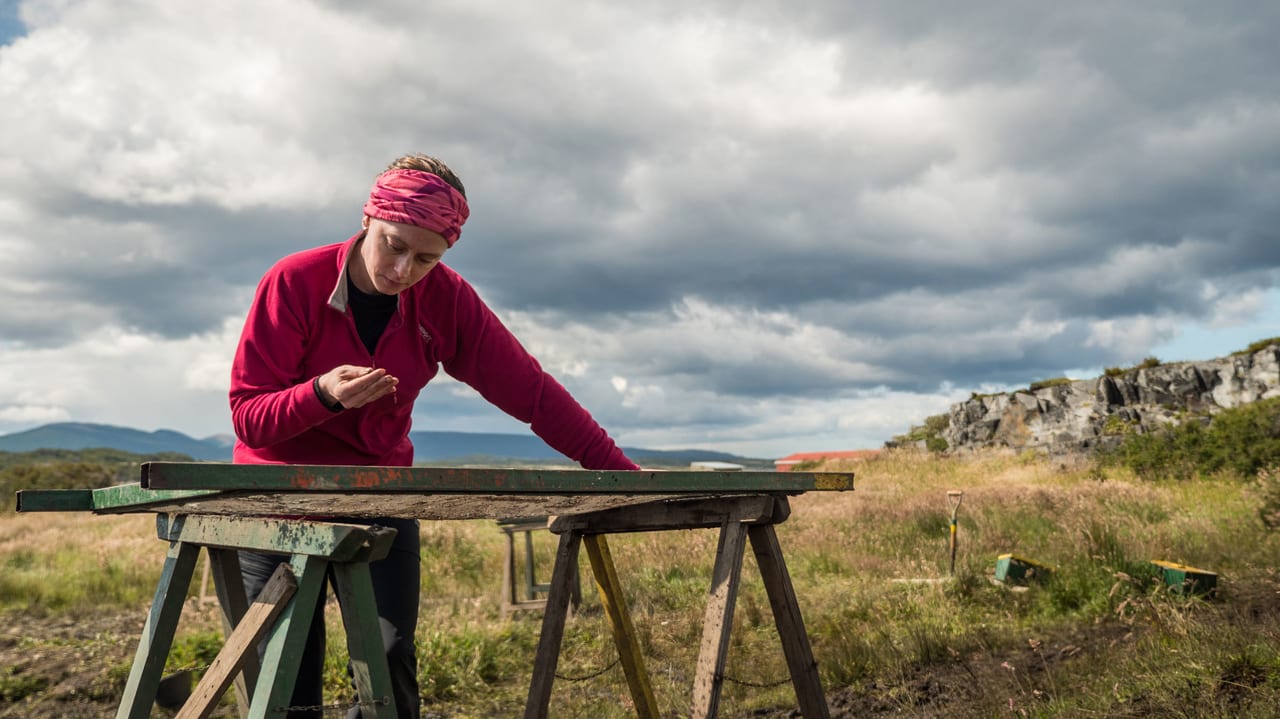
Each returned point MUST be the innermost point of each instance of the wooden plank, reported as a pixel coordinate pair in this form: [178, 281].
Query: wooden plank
[547, 656]
[242, 643]
[380, 504]
[228, 584]
[786, 615]
[624, 632]
[284, 478]
[696, 513]
[377, 504]
[157, 634]
[335, 541]
[709, 675]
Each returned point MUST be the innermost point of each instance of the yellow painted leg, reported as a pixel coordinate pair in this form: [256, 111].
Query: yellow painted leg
[624, 632]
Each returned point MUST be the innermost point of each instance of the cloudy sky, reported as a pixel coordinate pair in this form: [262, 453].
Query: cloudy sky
[761, 227]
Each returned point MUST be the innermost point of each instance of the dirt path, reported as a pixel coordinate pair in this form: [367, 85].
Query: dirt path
[65, 668]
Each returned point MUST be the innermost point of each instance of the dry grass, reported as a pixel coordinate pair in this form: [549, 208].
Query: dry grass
[1094, 641]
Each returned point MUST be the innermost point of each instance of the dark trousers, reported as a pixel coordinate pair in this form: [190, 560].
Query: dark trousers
[396, 581]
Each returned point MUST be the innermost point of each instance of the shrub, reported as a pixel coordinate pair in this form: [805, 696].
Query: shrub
[1247, 438]
[1055, 382]
[1117, 427]
[1240, 441]
[1268, 491]
[70, 469]
[1176, 452]
[937, 423]
[930, 433]
[1257, 346]
[1147, 363]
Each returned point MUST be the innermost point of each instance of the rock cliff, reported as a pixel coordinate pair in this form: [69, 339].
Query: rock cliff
[1086, 414]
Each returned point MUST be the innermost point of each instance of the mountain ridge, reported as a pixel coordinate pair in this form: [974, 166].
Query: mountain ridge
[429, 446]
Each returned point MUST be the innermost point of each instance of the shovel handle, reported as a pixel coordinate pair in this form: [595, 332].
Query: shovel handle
[957, 497]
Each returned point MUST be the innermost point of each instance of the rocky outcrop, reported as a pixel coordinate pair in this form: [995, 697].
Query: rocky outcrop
[1086, 414]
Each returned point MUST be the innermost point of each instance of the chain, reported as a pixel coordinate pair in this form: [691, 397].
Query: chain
[322, 708]
[746, 683]
[725, 677]
[330, 708]
[592, 675]
[200, 668]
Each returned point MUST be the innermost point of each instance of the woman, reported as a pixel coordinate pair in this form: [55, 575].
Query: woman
[338, 344]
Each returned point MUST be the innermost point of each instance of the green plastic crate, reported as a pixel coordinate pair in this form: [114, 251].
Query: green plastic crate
[1012, 569]
[1182, 579]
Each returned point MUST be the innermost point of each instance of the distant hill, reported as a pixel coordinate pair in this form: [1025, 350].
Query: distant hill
[82, 435]
[430, 447]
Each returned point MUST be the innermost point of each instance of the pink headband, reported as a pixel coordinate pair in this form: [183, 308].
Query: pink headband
[418, 198]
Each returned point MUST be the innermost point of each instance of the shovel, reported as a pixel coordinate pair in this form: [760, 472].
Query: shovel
[954, 498]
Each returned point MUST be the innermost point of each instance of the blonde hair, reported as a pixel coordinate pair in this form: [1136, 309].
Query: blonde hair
[427, 163]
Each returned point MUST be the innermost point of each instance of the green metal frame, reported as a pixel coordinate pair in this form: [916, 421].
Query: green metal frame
[105, 499]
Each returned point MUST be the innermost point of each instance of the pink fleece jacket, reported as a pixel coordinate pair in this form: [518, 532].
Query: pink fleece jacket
[300, 327]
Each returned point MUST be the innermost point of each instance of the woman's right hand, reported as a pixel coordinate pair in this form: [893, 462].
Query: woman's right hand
[354, 386]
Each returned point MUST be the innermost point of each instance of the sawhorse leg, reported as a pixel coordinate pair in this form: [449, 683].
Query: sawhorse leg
[725, 576]
[786, 616]
[512, 598]
[563, 584]
[624, 633]
[289, 637]
[553, 617]
[224, 565]
[738, 518]
[314, 548]
[157, 635]
[364, 641]
[240, 644]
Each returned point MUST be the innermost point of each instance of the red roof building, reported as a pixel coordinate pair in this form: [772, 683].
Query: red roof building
[791, 460]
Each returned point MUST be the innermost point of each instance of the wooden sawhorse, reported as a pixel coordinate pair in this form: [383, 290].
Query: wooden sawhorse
[512, 599]
[285, 609]
[739, 518]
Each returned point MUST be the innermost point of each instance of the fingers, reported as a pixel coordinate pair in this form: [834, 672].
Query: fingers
[368, 388]
[355, 386]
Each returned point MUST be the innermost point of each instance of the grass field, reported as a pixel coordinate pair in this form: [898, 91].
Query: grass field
[893, 632]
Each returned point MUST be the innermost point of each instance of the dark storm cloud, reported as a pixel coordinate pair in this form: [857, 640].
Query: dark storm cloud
[1149, 164]
[170, 271]
[707, 208]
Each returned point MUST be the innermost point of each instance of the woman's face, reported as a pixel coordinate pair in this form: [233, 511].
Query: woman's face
[394, 256]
